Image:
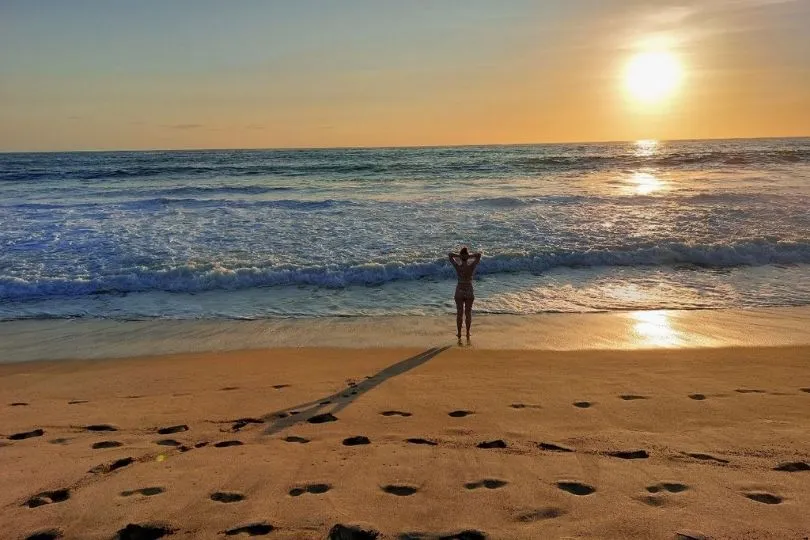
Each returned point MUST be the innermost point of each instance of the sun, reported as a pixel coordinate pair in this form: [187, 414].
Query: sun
[651, 77]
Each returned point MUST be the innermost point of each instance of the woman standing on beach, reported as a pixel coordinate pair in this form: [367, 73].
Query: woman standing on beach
[464, 290]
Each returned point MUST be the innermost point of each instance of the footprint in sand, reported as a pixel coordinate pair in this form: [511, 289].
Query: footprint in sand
[146, 492]
[350, 532]
[134, 531]
[805, 390]
[322, 418]
[460, 413]
[498, 443]
[540, 514]
[524, 406]
[426, 442]
[314, 489]
[697, 397]
[795, 466]
[18, 404]
[576, 488]
[106, 468]
[48, 497]
[280, 386]
[26, 435]
[356, 441]
[705, 457]
[630, 454]
[169, 442]
[395, 413]
[294, 439]
[652, 500]
[551, 447]
[228, 388]
[583, 404]
[632, 397]
[690, 535]
[670, 487]
[50, 534]
[227, 444]
[763, 497]
[749, 391]
[227, 497]
[400, 490]
[77, 401]
[106, 444]
[172, 429]
[100, 427]
[253, 529]
[488, 483]
[469, 534]
[240, 423]
[60, 440]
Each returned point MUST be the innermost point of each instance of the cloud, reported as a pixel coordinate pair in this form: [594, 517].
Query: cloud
[184, 126]
[671, 24]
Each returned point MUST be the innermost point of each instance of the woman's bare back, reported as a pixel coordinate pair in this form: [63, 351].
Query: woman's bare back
[464, 296]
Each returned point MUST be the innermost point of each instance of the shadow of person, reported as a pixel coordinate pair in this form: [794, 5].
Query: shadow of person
[325, 408]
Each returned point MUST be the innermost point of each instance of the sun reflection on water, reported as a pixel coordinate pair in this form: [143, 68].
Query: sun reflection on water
[645, 183]
[645, 148]
[654, 328]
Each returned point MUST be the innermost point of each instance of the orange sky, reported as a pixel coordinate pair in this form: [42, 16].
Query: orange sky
[377, 74]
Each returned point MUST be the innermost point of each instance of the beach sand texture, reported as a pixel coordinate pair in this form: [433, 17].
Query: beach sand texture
[411, 443]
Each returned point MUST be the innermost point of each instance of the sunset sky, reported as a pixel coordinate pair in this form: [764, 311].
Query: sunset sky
[84, 74]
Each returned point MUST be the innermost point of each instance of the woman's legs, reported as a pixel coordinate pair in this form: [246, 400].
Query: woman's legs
[459, 315]
[467, 315]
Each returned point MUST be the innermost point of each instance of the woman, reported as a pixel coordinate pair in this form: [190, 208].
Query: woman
[464, 290]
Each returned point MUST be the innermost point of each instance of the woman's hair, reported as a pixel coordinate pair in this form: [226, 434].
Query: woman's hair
[464, 252]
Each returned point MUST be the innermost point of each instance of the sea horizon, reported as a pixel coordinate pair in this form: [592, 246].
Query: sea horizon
[403, 147]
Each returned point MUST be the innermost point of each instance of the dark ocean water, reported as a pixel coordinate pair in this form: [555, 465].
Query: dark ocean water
[254, 233]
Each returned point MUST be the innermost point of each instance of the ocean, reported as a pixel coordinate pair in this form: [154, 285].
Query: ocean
[253, 234]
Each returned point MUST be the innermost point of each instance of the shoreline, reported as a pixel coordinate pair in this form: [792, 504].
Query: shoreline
[63, 339]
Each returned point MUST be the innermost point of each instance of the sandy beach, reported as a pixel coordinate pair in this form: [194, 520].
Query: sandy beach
[409, 443]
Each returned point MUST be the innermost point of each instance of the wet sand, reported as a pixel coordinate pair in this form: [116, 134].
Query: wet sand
[411, 443]
[26, 340]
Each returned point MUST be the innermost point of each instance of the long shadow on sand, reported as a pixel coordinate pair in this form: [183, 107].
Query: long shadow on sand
[334, 403]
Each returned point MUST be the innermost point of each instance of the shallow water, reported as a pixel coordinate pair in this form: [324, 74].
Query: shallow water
[253, 234]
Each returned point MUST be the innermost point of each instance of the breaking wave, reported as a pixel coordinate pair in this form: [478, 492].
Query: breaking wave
[206, 277]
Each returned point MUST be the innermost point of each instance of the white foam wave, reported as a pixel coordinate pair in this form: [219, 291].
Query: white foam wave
[197, 278]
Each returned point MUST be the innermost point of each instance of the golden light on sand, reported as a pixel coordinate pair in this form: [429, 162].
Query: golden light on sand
[651, 77]
[653, 328]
